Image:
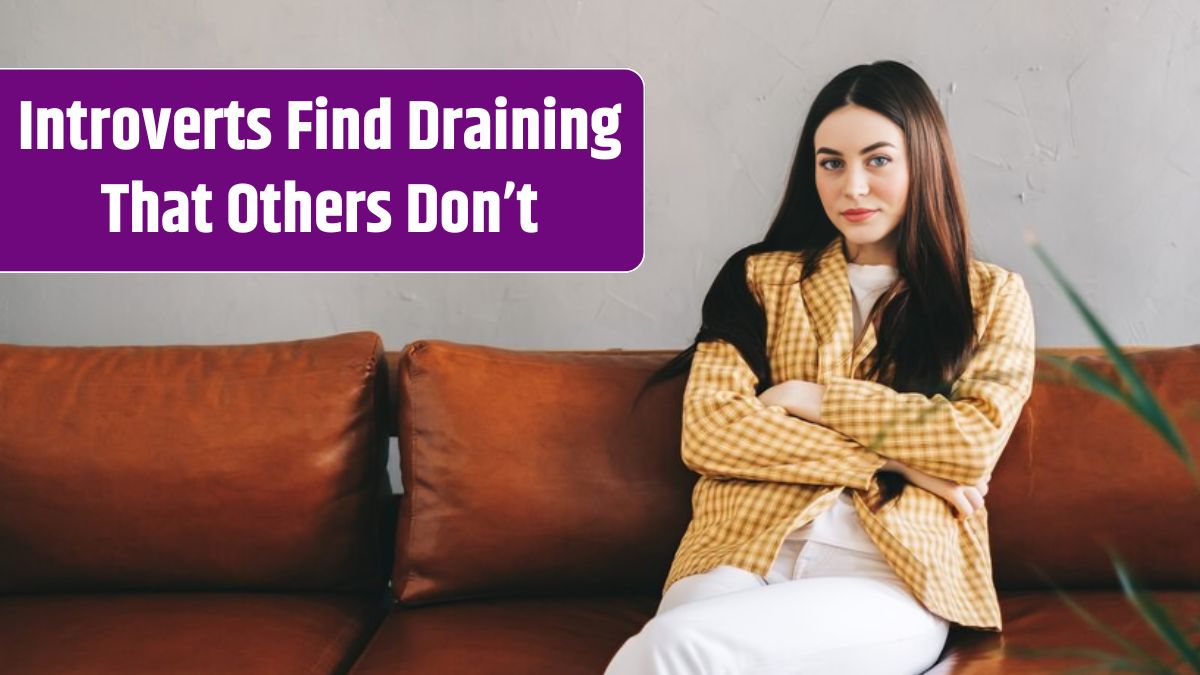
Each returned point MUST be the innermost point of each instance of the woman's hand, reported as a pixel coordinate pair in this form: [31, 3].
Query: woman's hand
[799, 397]
[966, 499]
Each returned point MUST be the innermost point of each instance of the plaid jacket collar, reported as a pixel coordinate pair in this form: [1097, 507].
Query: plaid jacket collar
[829, 303]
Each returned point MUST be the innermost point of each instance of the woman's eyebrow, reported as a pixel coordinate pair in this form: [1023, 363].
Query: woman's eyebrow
[873, 146]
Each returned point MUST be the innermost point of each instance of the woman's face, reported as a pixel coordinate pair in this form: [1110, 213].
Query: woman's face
[862, 163]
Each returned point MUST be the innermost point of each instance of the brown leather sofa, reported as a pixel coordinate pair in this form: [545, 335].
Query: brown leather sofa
[226, 510]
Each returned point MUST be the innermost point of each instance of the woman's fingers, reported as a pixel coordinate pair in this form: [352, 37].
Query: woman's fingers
[974, 497]
[958, 499]
[966, 500]
[982, 486]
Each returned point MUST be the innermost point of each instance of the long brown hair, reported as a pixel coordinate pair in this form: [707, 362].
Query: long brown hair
[925, 320]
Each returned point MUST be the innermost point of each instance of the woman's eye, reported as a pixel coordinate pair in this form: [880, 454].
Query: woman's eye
[833, 164]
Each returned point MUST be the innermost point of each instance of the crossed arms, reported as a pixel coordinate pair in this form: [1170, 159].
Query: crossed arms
[729, 433]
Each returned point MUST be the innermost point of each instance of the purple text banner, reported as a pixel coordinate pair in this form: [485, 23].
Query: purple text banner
[322, 170]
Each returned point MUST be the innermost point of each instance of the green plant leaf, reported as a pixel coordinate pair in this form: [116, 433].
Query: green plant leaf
[1090, 379]
[1102, 661]
[1137, 396]
[1155, 614]
[1139, 656]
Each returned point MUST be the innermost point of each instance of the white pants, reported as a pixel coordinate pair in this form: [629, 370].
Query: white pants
[820, 609]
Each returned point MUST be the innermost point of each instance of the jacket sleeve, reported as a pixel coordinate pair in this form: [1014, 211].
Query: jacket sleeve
[729, 433]
[958, 438]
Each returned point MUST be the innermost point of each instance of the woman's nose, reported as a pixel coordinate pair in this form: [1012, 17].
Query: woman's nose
[857, 182]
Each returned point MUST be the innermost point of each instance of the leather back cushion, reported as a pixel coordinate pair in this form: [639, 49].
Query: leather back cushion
[1081, 472]
[531, 473]
[258, 467]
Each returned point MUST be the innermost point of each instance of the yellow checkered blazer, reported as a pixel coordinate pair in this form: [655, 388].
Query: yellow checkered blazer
[764, 472]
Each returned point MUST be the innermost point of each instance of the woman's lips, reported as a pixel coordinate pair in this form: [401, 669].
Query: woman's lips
[857, 216]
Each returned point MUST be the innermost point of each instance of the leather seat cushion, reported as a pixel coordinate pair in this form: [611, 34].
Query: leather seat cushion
[562, 635]
[184, 633]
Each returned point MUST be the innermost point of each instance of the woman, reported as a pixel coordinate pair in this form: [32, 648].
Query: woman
[855, 378]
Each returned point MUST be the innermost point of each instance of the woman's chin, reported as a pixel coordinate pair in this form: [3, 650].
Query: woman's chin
[862, 234]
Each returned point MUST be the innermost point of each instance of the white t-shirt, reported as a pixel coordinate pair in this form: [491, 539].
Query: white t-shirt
[839, 525]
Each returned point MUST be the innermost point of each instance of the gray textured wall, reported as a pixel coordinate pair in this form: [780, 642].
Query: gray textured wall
[1075, 119]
